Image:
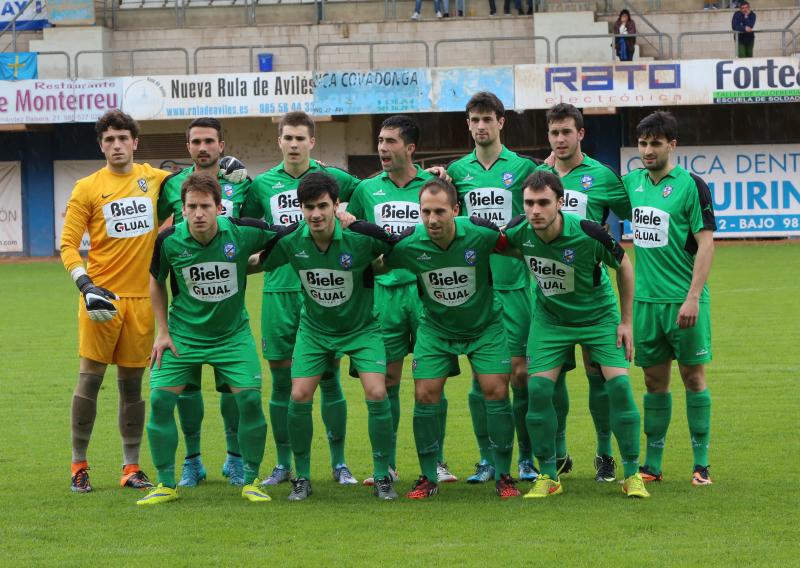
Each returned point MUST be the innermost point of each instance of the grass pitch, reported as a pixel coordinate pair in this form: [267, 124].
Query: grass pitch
[748, 517]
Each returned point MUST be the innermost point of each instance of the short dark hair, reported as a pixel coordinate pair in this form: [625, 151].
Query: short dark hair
[743, 4]
[408, 127]
[296, 118]
[206, 122]
[315, 185]
[540, 179]
[203, 183]
[563, 111]
[486, 101]
[657, 124]
[117, 120]
[439, 185]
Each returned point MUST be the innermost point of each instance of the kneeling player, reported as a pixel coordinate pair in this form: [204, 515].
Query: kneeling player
[450, 256]
[575, 304]
[207, 256]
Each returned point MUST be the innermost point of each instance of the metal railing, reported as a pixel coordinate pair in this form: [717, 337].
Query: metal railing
[661, 37]
[782, 31]
[250, 49]
[66, 57]
[131, 53]
[371, 45]
[491, 41]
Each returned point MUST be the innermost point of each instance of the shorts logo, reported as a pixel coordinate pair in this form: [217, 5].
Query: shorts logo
[423, 256]
[586, 182]
[701, 352]
[263, 344]
[471, 256]
[346, 260]
[569, 256]
[230, 250]
[414, 365]
[667, 191]
[508, 179]
[227, 189]
[142, 184]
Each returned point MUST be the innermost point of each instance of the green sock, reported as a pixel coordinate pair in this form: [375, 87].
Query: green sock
[190, 413]
[520, 409]
[500, 422]
[698, 412]
[334, 414]
[561, 406]
[657, 415]
[230, 420]
[426, 437]
[279, 414]
[477, 410]
[625, 421]
[162, 432]
[601, 413]
[379, 426]
[393, 394]
[542, 424]
[301, 430]
[442, 416]
[252, 431]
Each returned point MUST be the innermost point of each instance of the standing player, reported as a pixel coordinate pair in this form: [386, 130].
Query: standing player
[591, 189]
[118, 207]
[208, 257]
[575, 304]
[205, 142]
[273, 196]
[673, 226]
[334, 267]
[489, 184]
[450, 256]
[391, 200]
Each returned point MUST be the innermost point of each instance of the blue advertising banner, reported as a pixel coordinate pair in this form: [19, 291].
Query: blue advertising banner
[377, 91]
[18, 66]
[33, 17]
[452, 88]
[755, 189]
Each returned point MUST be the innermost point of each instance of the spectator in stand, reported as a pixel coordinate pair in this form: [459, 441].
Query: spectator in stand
[459, 7]
[418, 6]
[624, 46]
[744, 20]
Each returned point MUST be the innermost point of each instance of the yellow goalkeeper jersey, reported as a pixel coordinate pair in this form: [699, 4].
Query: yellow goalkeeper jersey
[119, 211]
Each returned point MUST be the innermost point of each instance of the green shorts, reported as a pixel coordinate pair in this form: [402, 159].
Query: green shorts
[657, 337]
[315, 352]
[235, 361]
[399, 309]
[553, 345]
[280, 318]
[517, 313]
[435, 356]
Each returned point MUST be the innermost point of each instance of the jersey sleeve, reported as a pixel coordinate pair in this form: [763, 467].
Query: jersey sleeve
[489, 231]
[616, 196]
[252, 206]
[274, 253]
[395, 257]
[607, 250]
[514, 229]
[701, 208]
[355, 205]
[163, 206]
[159, 265]
[257, 234]
[381, 241]
[75, 223]
[347, 182]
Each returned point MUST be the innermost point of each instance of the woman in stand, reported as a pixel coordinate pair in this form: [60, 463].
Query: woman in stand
[624, 46]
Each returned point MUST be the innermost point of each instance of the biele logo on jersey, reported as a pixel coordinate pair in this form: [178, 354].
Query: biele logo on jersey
[575, 202]
[128, 217]
[327, 287]
[490, 203]
[553, 277]
[450, 286]
[211, 281]
[394, 217]
[285, 208]
[650, 227]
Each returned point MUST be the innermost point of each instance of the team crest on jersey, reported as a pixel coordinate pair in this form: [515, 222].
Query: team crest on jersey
[471, 256]
[667, 191]
[508, 179]
[227, 189]
[230, 250]
[142, 184]
[586, 182]
[568, 255]
[346, 260]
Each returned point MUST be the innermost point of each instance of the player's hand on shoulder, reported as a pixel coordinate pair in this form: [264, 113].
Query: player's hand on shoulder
[97, 299]
[162, 343]
[232, 170]
[550, 160]
[440, 172]
[345, 219]
[254, 263]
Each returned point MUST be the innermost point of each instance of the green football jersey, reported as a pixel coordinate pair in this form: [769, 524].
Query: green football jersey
[273, 197]
[457, 294]
[495, 194]
[591, 188]
[666, 216]
[573, 288]
[337, 282]
[395, 209]
[169, 201]
[208, 281]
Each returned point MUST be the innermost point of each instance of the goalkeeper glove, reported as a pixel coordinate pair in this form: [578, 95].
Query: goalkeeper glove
[97, 299]
[232, 170]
